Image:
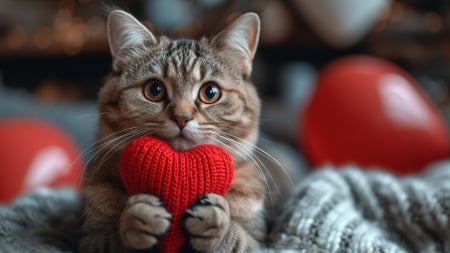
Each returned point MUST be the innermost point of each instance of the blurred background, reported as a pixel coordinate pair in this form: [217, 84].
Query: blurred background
[54, 53]
[56, 50]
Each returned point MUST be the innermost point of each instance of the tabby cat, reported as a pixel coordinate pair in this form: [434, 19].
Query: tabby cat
[186, 92]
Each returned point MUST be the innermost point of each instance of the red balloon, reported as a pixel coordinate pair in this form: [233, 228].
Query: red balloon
[369, 112]
[35, 154]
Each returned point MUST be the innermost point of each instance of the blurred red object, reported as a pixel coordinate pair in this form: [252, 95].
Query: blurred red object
[369, 112]
[35, 154]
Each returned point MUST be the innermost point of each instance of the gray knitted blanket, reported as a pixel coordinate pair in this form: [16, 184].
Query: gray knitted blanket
[346, 210]
[350, 210]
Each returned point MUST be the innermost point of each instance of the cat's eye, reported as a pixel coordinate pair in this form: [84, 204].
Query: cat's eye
[209, 93]
[154, 90]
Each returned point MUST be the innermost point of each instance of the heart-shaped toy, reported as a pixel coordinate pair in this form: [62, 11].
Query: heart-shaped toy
[149, 165]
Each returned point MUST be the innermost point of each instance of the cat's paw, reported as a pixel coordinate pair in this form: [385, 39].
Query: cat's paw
[143, 221]
[207, 222]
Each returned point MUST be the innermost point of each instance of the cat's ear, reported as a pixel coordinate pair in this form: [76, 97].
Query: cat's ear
[125, 32]
[239, 40]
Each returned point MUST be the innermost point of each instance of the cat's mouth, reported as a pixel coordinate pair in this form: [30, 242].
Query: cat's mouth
[182, 139]
[181, 143]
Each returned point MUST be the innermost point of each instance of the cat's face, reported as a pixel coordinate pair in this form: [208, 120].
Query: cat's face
[183, 91]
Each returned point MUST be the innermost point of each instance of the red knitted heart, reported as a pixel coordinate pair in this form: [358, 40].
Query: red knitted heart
[149, 165]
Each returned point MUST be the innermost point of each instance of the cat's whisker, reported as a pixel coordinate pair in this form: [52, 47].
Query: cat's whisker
[247, 154]
[276, 166]
[98, 144]
[100, 148]
[275, 161]
[106, 142]
[258, 165]
[85, 161]
[113, 147]
[263, 153]
[88, 115]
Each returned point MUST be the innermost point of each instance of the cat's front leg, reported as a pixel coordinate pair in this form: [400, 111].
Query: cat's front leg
[143, 221]
[211, 229]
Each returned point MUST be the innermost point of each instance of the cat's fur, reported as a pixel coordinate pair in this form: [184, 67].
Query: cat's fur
[233, 223]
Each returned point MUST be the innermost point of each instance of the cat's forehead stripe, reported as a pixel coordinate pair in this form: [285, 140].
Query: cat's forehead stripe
[195, 70]
[186, 59]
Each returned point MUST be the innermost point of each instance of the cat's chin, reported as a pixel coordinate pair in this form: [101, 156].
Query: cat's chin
[181, 143]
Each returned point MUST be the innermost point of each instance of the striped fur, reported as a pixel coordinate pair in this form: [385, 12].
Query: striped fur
[183, 66]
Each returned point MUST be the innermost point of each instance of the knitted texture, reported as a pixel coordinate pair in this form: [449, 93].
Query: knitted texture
[149, 165]
[351, 210]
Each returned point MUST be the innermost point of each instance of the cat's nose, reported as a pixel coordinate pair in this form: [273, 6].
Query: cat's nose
[182, 120]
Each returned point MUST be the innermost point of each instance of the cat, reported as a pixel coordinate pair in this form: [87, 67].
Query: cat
[185, 92]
